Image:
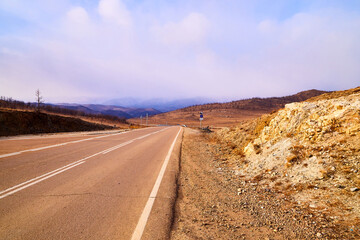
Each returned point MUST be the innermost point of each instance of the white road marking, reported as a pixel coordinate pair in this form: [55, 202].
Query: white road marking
[40, 180]
[57, 135]
[62, 144]
[149, 204]
[33, 181]
[44, 175]
[56, 145]
[118, 146]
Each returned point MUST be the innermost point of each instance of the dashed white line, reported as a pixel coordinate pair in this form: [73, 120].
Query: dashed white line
[56, 145]
[26, 184]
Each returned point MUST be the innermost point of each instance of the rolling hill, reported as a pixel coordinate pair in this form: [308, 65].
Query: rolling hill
[16, 122]
[230, 113]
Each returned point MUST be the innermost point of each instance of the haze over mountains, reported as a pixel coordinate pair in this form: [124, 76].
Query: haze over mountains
[134, 108]
[118, 111]
[158, 103]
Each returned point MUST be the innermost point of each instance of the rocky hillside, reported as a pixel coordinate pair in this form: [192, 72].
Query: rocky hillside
[308, 150]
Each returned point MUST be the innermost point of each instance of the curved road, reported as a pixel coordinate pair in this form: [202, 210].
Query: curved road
[83, 187]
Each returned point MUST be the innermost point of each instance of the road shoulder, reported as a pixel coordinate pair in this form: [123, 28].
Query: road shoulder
[214, 203]
[161, 217]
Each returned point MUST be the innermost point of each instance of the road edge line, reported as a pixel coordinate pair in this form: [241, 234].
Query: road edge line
[140, 227]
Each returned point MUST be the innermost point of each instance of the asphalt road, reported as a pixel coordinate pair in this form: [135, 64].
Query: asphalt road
[84, 187]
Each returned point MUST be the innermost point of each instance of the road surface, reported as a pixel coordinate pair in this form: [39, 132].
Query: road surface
[85, 187]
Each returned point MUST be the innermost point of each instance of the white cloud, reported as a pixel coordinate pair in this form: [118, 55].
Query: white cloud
[78, 15]
[115, 11]
[196, 52]
[190, 30]
[77, 23]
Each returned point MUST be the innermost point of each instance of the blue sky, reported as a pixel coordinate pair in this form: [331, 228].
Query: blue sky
[96, 50]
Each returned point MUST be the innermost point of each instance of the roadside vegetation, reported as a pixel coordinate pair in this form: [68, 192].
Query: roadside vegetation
[18, 117]
[14, 122]
[9, 103]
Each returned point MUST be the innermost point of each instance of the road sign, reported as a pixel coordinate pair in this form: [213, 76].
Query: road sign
[201, 116]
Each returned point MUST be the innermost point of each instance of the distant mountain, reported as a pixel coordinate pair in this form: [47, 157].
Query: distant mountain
[110, 110]
[157, 103]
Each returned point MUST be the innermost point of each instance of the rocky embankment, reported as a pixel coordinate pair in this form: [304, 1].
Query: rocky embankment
[309, 151]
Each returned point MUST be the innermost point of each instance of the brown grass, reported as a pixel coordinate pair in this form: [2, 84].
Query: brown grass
[336, 94]
[14, 122]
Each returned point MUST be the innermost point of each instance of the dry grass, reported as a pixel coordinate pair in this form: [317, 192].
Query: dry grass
[317, 170]
[14, 122]
[333, 95]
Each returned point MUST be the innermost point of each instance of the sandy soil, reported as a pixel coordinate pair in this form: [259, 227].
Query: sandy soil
[214, 203]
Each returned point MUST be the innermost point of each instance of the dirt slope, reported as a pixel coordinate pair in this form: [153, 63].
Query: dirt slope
[309, 151]
[215, 203]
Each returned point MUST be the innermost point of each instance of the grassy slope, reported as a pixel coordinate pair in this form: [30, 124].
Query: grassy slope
[14, 122]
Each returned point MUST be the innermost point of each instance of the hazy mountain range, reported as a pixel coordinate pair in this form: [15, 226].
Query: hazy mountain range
[134, 108]
[110, 110]
[161, 105]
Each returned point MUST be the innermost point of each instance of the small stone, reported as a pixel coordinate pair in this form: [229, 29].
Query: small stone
[354, 189]
[318, 235]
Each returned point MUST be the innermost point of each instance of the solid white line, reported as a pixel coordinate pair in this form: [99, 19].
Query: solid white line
[118, 146]
[9, 154]
[41, 178]
[46, 174]
[149, 204]
[56, 145]
[33, 179]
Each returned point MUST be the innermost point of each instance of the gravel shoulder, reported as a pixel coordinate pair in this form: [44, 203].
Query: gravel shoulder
[214, 203]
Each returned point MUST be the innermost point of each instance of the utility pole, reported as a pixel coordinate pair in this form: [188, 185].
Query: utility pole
[141, 120]
[147, 116]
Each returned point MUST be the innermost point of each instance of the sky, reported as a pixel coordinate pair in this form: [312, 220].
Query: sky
[91, 51]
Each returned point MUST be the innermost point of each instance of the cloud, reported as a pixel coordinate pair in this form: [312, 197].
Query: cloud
[77, 22]
[78, 15]
[111, 49]
[114, 11]
[189, 31]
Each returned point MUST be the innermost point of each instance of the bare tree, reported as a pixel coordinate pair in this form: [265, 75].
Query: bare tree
[39, 99]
